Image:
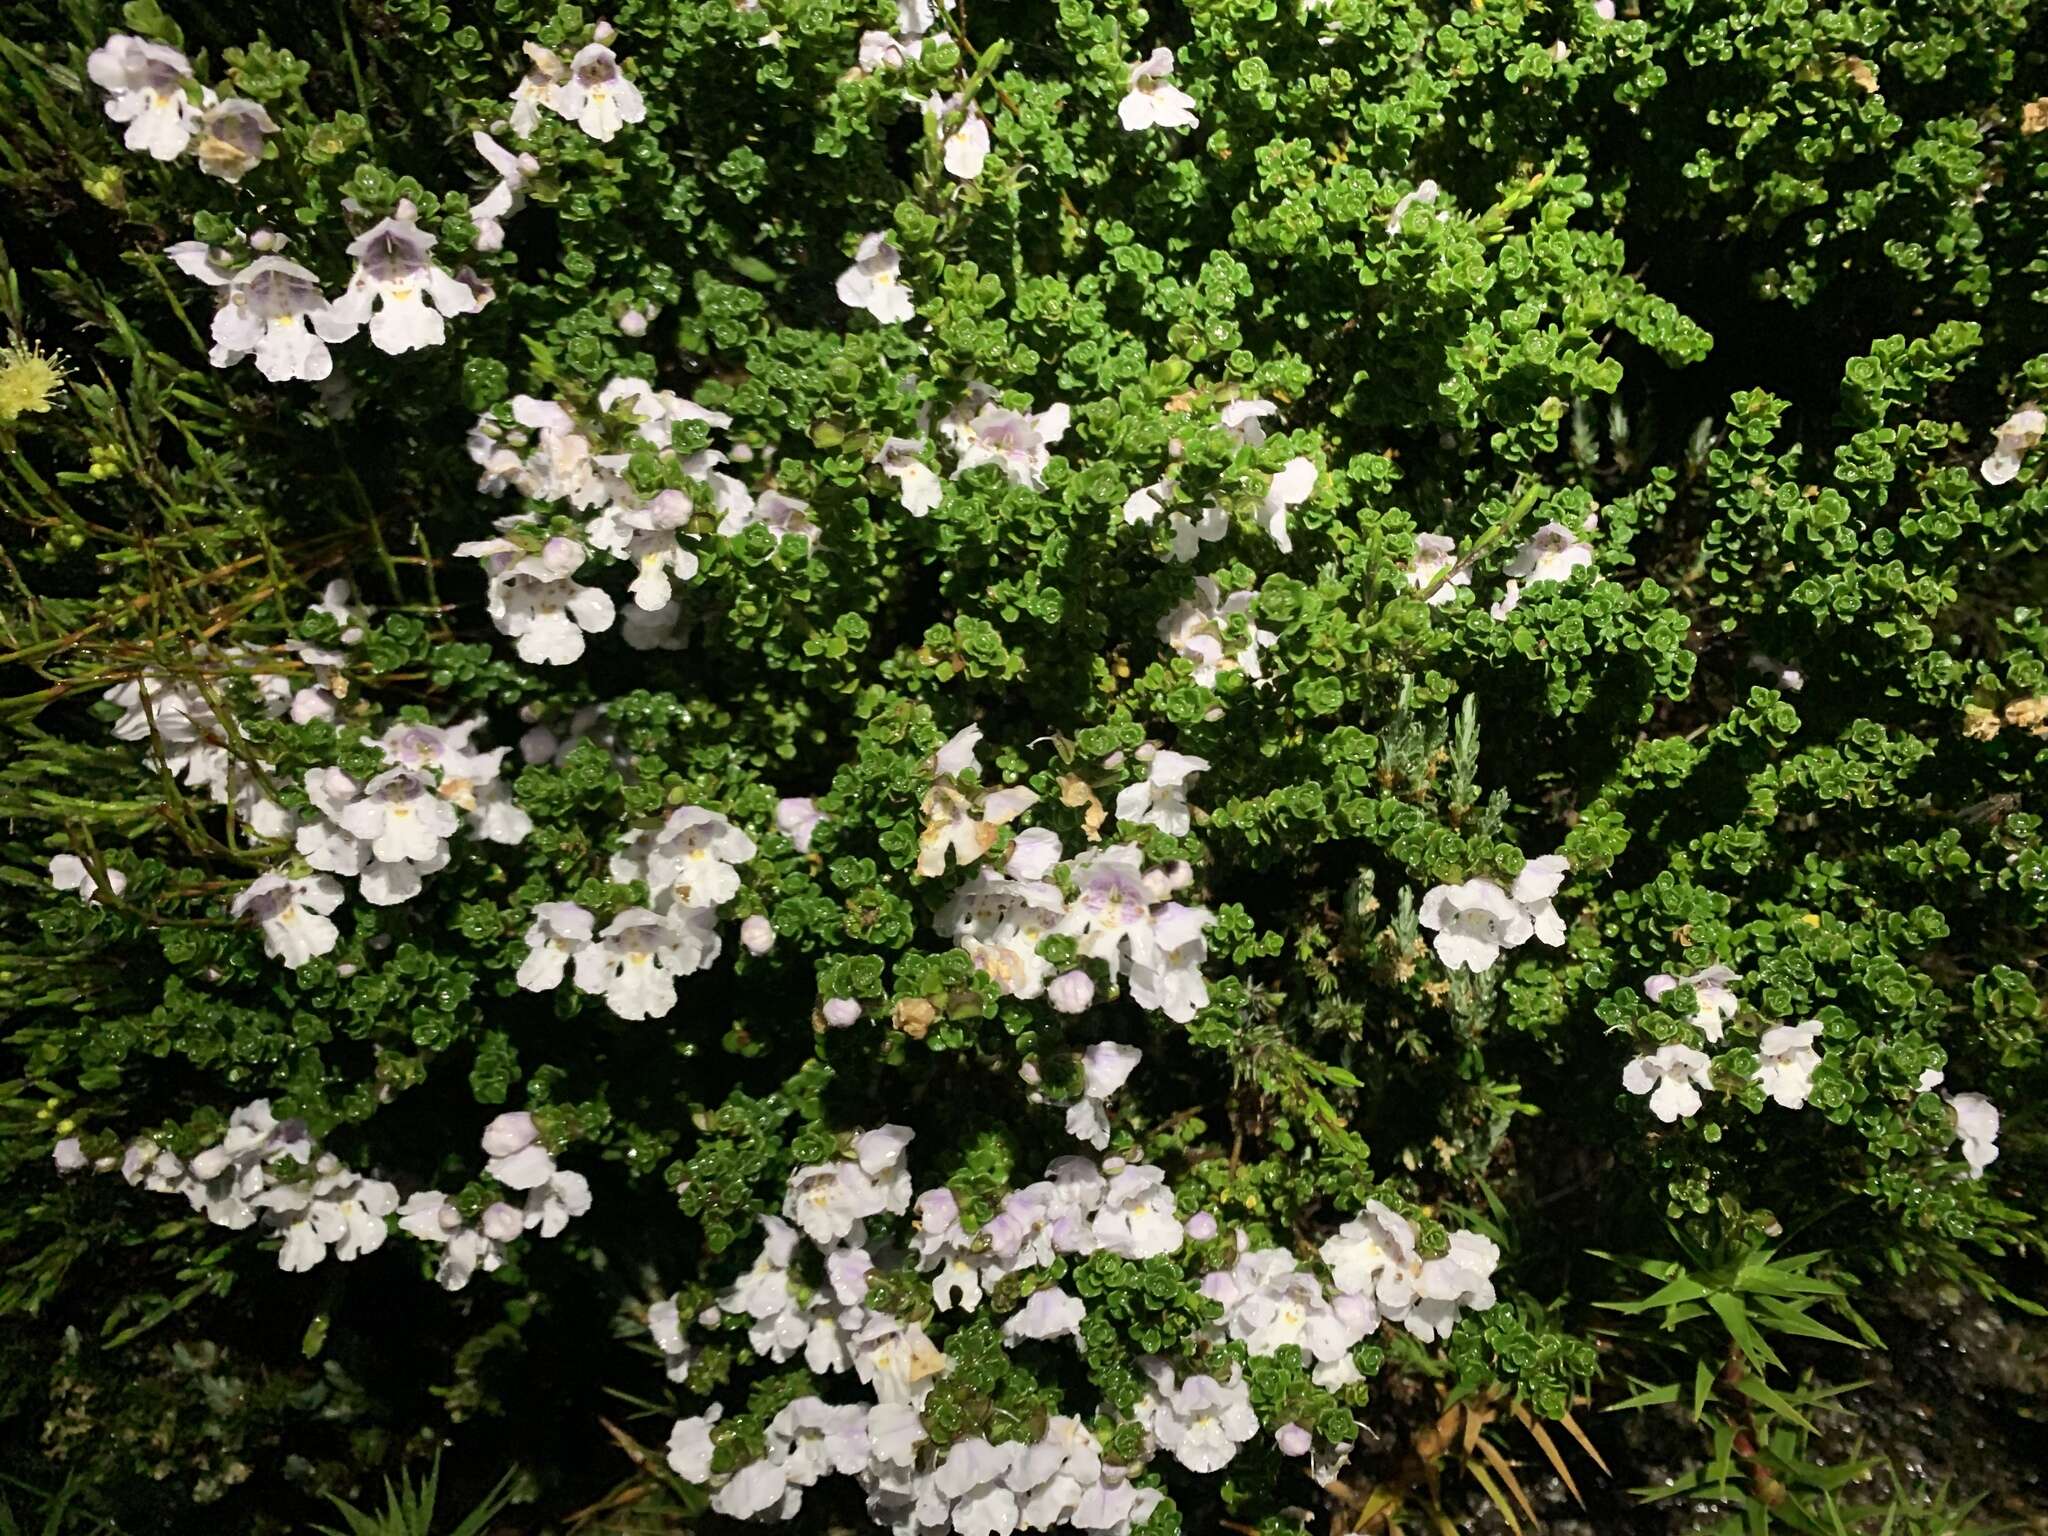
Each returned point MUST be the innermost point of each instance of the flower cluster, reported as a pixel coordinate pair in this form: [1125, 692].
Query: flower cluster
[276, 311]
[577, 463]
[1265, 1301]
[270, 1171]
[689, 865]
[474, 1243]
[1788, 1055]
[1118, 912]
[150, 88]
[1278, 493]
[590, 90]
[1475, 920]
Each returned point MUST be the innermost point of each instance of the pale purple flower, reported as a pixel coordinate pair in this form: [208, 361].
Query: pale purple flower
[597, 96]
[841, 1012]
[1071, 992]
[149, 87]
[1202, 1421]
[1048, 1314]
[560, 932]
[1434, 554]
[398, 290]
[1712, 991]
[1787, 1057]
[874, 281]
[1552, 553]
[797, 818]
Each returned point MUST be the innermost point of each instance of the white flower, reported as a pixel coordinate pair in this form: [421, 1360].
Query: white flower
[518, 1160]
[506, 196]
[146, 85]
[974, 1479]
[1292, 484]
[2020, 431]
[293, 915]
[1434, 554]
[1151, 101]
[635, 962]
[335, 1209]
[1711, 990]
[957, 756]
[535, 599]
[690, 1445]
[883, 50]
[896, 1360]
[560, 932]
[1426, 192]
[1166, 970]
[1976, 1119]
[757, 1489]
[1033, 854]
[68, 872]
[1672, 1076]
[1374, 1255]
[432, 1217]
[1787, 1057]
[1604, 9]
[692, 858]
[1199, 630]
[1473, 923]
[1202, 1421]
[1071, 992]
[1462, 1277]
[1018, 443]
[827, 1200]
[263, 313]
[757, 935]
[406, 825]
[1532, 892]
[1137, 1219]
[398, 290]
[1105, 1066]
[597, 97]
[1552, 553]
[917, 484]
[785, 516]
[1160, 799]
[873, 282]
[1242, 419]
[1048, 1314]
[551, 1203]
[539, 87]
[646, 537]
[966, 146]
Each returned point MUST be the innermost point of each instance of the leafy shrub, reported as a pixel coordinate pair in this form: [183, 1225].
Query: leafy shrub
[987, 767]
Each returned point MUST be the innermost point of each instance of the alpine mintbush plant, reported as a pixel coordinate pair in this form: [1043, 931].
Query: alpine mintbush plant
[1000, 765]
